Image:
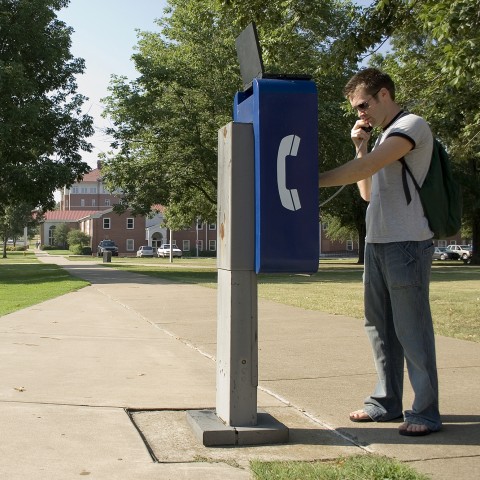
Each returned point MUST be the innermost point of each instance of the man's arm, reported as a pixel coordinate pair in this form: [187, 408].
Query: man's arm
[365, 165]
[365, 185]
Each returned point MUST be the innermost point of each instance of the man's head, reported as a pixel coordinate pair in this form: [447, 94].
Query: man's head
[372, 94]
[371, 80]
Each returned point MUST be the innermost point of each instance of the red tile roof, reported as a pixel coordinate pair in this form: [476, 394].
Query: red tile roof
[93, 176]
[158, 208]
[67, 215]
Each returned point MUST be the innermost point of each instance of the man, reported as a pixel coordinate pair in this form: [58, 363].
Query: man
[398, 253]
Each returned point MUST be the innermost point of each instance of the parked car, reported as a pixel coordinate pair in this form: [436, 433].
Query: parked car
[441, 253]
[145, 251]
[107, 246]
[164, 251]
[463, 252]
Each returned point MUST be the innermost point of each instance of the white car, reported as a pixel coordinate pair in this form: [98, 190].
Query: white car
[164, 251]
[145, 251]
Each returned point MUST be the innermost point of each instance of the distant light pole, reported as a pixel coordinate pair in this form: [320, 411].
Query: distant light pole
[196, 230]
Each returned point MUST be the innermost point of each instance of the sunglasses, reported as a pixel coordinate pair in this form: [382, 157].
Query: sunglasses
[364, 106]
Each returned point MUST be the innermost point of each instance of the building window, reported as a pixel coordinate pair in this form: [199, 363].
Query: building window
[130, 245]
[82, 202]
[75, 190]
[107, 202]
[186, 245]
[200, 245]
[442, 243]
[212, 245]
[83, 190]
[106, 224]
[130, 223]
[93, 190]
[93, 203]
[324, 226]
[199, 226]
[212, 226]
[51, 232]
[349, 245]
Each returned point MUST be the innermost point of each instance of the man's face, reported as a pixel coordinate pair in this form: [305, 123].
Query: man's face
[367, 106]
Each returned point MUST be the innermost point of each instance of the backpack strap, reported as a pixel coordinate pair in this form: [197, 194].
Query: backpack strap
[406, 169]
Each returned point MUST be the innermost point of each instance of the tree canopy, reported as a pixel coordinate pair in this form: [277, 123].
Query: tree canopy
[165, 122]
[13, 220]
[42, 130]
[434, 62]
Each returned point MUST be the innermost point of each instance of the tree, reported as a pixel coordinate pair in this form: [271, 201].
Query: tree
[60, 234]
[77, 237]
[166, 121]
[435, 63]
[42, 129]
[13, 220]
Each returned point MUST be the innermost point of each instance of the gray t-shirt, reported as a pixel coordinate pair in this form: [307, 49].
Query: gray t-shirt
[389, 218]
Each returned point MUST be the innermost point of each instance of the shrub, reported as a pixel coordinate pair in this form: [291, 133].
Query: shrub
[11, 248]
[76, 249]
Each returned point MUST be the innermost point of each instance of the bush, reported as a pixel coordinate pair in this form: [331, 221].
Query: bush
[80, 250]
[76, 249]
[11, 248]
[48, 247]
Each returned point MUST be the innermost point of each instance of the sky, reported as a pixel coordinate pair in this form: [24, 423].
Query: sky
[105, 36]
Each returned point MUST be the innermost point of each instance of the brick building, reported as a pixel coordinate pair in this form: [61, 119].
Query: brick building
[88, 206]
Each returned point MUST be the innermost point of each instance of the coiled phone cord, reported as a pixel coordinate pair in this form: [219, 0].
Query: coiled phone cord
[343, 186]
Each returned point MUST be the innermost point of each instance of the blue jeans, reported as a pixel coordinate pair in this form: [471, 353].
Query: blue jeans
[399, 326]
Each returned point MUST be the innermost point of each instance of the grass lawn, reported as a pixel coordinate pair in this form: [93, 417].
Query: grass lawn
[337, 289]
[357, 467]
[25, 282]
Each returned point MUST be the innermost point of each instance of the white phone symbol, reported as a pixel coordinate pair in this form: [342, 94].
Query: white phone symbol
[289, 198]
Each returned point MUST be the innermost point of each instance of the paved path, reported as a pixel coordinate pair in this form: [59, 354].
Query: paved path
[90, 378]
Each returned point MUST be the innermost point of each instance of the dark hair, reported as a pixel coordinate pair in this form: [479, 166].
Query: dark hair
[372, 80]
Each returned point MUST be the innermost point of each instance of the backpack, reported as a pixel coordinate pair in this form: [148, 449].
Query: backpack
[440, 194]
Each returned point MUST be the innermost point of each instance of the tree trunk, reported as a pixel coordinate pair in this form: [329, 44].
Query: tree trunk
[474, 171]
[476, 238]
[362, 232]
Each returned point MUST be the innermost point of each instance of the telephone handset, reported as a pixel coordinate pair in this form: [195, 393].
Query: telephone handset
[289, 197]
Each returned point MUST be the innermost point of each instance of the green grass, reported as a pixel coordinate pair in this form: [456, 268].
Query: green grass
[24, 284]
[337, 289]
[357, 467]
[19, 257]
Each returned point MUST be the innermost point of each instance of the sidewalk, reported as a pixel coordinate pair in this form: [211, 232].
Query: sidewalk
[76, 370]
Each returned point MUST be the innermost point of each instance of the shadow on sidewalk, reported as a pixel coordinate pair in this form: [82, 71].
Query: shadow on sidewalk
[462, 430]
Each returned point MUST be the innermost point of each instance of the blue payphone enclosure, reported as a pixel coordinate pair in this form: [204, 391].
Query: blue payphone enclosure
[285, 126]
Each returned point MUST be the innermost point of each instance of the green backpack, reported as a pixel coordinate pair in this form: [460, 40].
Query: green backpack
[440, 194]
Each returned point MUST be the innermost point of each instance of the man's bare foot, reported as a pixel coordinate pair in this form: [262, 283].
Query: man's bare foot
[413, 430]
[360, 416]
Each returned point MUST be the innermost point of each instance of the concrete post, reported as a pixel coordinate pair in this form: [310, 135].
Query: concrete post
[237, 322]
[236, 420]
